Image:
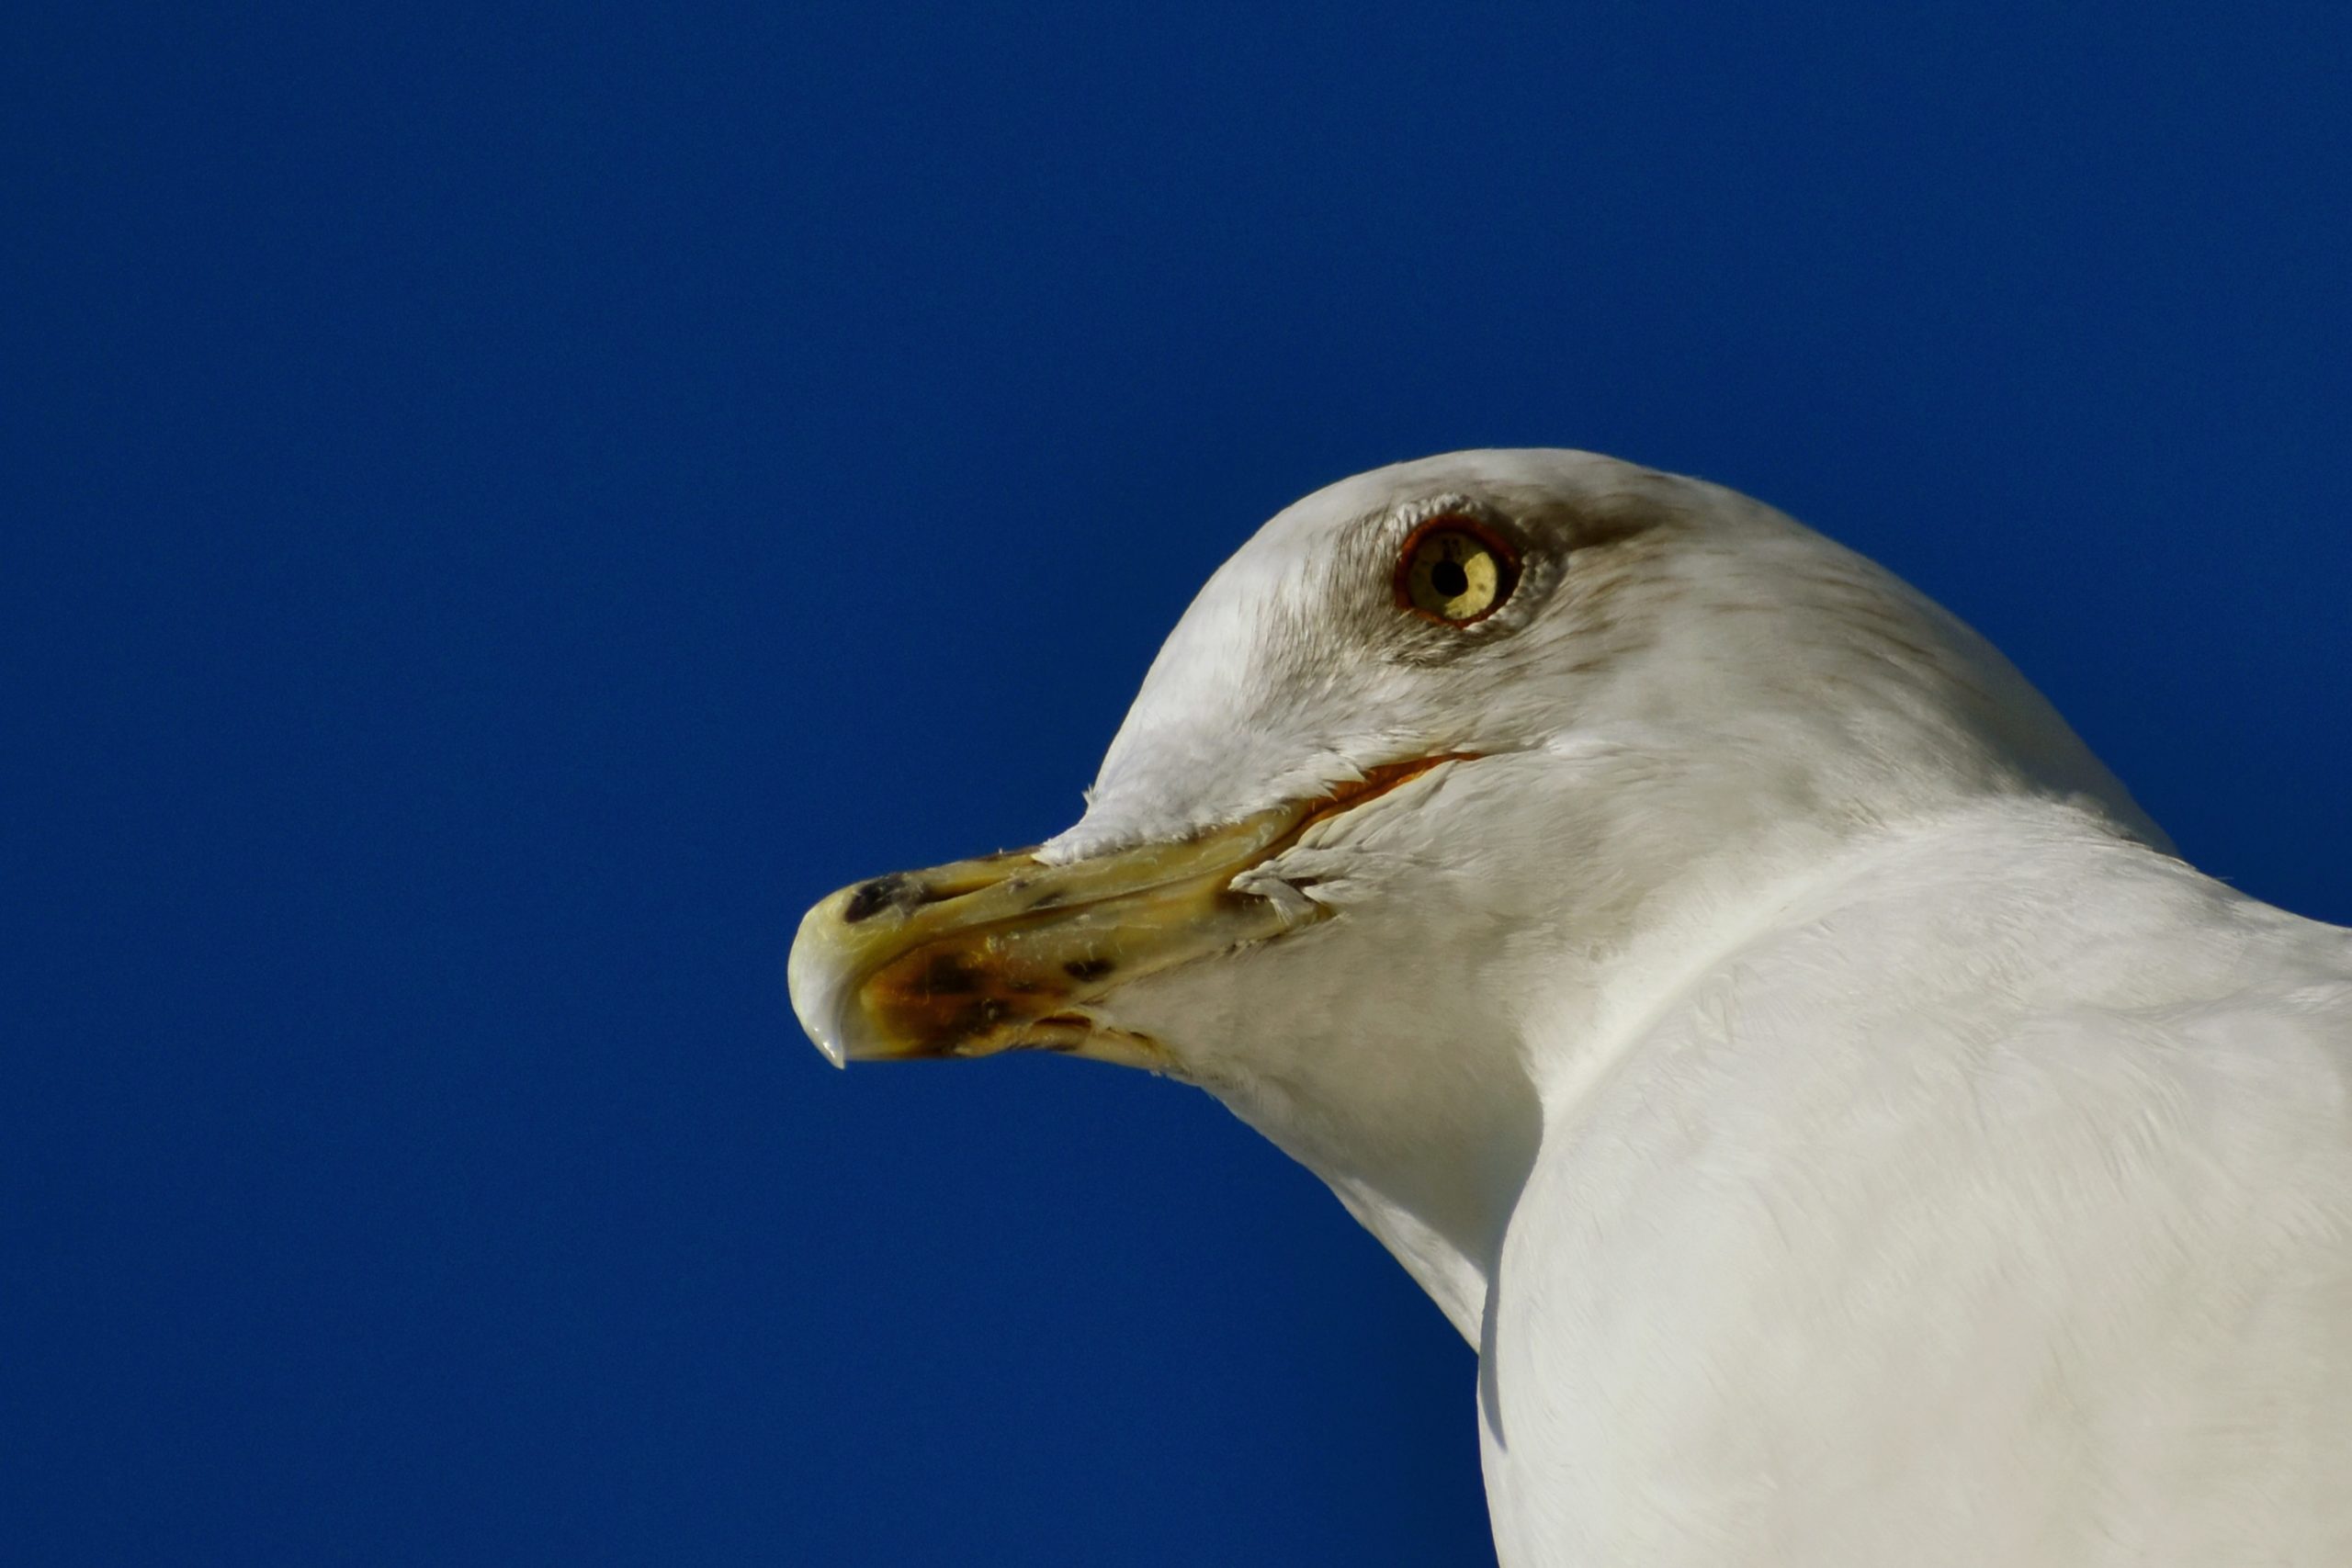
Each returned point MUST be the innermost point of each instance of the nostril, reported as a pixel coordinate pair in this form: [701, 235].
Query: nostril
[877, 895]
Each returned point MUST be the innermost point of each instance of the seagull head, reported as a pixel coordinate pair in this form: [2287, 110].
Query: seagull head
[1434, 781]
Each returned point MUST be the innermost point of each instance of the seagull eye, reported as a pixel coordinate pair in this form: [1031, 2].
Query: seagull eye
[1455, 570]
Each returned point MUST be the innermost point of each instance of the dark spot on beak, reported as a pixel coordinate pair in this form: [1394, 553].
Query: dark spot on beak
[1088, 968]
[895, 890]
[1045, 900]
[947, 976]
[974, 1018]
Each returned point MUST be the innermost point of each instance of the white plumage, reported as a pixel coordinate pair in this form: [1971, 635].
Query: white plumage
[1847, 1133]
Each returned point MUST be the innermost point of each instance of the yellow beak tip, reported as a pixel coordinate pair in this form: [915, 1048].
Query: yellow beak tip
[814, 984]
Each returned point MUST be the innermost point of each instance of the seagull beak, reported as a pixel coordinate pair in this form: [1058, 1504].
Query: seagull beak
[1009, 953]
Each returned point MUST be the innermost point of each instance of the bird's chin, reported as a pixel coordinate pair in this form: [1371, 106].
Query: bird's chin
[1010, 952]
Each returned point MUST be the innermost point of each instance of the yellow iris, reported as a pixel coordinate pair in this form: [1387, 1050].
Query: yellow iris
[1453, 575]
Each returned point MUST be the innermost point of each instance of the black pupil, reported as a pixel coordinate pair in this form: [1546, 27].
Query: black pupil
[1447, 578]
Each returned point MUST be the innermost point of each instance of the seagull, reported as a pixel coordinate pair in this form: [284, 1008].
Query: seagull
[1845, 1128]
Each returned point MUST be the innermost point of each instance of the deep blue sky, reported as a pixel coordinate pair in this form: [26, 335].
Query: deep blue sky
[506, 505]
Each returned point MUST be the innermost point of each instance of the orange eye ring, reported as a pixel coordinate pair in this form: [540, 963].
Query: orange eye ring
[1454, 571]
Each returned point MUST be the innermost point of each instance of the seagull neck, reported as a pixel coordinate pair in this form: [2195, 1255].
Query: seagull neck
[1431, 1169]
[1442, 1212]
[1431, 1149]
[1689, 929]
